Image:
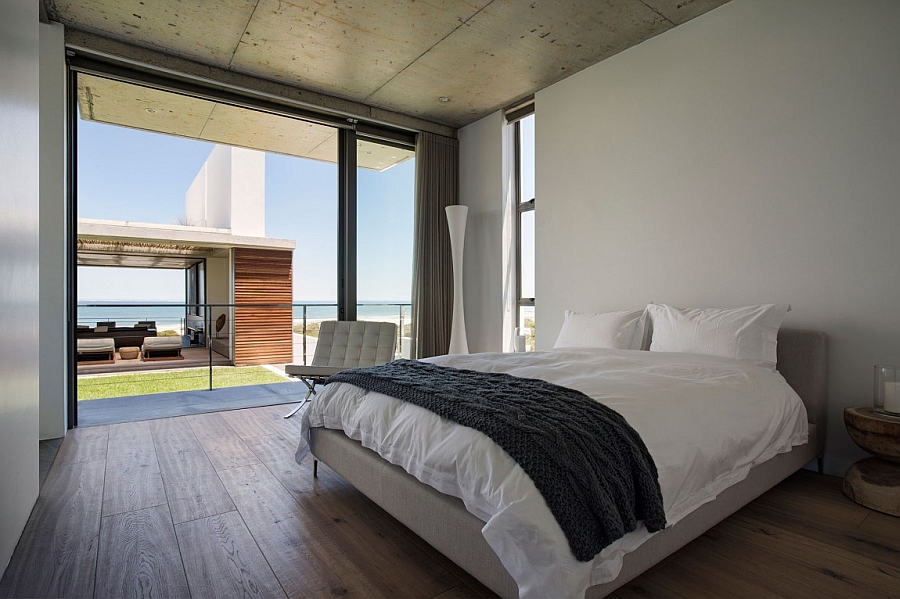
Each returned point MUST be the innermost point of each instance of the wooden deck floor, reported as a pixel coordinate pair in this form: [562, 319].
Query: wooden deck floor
[213, 505]
[194, 357]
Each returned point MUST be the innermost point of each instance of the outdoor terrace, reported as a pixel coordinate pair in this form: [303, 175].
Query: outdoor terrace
[121, 389]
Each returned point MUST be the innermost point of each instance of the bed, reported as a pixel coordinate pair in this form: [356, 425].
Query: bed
[444, 521]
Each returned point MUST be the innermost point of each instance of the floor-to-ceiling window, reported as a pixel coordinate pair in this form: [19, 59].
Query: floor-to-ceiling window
[176, 194]
[525, 213]
[385, 208]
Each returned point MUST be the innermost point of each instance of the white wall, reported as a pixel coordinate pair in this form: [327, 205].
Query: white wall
[218, 188]
[229, 192]
[53, 231]
[195, 200]
[19, 255]
[481, 189]
[248, 192]
[750, 155]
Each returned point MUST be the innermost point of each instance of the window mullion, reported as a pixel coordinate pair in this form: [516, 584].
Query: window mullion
[347, 230]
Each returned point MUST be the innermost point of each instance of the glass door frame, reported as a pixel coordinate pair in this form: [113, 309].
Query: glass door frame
[347, 128]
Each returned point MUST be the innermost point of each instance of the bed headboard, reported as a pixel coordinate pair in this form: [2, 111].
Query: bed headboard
[802, 361]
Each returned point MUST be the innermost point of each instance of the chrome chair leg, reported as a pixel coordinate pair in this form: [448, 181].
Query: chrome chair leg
[312, 391]
[296, 409]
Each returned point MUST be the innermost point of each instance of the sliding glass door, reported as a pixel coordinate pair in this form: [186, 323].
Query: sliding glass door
[249, 209]
[385, 209]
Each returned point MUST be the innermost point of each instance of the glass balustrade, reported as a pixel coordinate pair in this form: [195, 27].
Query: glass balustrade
[128, 349]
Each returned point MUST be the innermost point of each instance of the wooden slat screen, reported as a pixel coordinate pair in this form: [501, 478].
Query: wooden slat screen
[262, 335]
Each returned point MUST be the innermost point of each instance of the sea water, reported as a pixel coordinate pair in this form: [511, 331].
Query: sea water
[171, 315]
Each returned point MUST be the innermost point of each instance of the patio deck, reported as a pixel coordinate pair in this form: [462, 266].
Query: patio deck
[181, 403]
[194, 357]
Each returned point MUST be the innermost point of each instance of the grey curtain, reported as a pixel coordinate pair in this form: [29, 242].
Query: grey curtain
[437, 186]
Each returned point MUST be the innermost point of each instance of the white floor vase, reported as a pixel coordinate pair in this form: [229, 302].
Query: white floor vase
[456, 220]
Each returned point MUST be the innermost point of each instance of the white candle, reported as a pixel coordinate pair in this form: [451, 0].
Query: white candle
[892, 396]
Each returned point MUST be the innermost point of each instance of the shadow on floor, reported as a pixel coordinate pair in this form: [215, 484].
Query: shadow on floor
[162, 405]
[47, 453]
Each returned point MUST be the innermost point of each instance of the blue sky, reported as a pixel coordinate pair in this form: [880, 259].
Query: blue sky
[131, 175]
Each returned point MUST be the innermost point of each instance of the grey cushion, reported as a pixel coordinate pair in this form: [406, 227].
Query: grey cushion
[166, 342]
[96, 345]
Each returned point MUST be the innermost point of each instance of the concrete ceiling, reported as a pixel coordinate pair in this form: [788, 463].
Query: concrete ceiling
[118, 103]
[400, 55]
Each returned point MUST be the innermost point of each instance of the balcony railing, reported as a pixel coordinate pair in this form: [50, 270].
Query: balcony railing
[207, 333]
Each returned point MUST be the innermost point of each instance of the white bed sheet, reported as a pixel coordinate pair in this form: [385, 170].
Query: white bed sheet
[705, 420]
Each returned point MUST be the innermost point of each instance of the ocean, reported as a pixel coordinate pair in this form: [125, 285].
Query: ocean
[171, 314]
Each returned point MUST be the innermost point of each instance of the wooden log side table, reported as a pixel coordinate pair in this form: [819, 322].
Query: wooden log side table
[874, 482]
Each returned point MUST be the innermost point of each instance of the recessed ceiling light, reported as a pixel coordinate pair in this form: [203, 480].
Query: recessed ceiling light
[444, 99]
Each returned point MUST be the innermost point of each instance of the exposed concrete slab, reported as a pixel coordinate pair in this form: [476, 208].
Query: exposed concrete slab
[396, 56]
[345, 48]
[327, 151]
[118, 103]
[107, 48]
[246, 128]
[681, 11]
[512, 48]
[204, 31]
[380, 157]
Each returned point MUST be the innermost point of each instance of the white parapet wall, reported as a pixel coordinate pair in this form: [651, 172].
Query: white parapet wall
[195, 200]
[229, 192]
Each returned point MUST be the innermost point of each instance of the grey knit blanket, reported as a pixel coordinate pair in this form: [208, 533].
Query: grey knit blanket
[591, 467]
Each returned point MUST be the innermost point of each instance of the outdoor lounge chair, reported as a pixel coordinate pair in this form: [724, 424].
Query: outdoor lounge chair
[342, 345]
[99, 350]
[161, 348]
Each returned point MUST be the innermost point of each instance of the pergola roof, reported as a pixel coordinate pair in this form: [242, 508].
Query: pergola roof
[147, 245]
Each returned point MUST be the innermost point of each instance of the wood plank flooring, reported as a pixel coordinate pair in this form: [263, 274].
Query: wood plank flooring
[214, 505]
[803, 538]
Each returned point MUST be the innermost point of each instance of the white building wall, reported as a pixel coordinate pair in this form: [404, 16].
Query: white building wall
[19, 269]
[195, 200]
[229, 192]
[53, 233]
[747, 156]
[218, 188]
[248, 192]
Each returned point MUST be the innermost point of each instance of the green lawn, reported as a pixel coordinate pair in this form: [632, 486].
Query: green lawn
[189, 379]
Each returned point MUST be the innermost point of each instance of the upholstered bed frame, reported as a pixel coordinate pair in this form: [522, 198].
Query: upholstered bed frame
[443, 521]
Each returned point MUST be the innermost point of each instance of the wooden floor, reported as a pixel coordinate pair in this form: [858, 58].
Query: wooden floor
[213, 505]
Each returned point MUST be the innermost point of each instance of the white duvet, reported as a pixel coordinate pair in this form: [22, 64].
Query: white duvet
[706, 421]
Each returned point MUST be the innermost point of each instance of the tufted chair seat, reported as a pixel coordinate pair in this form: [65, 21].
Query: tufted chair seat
[345, 344]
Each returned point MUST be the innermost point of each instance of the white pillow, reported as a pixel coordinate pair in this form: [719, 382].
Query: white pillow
[612, 330]
[748, 333]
